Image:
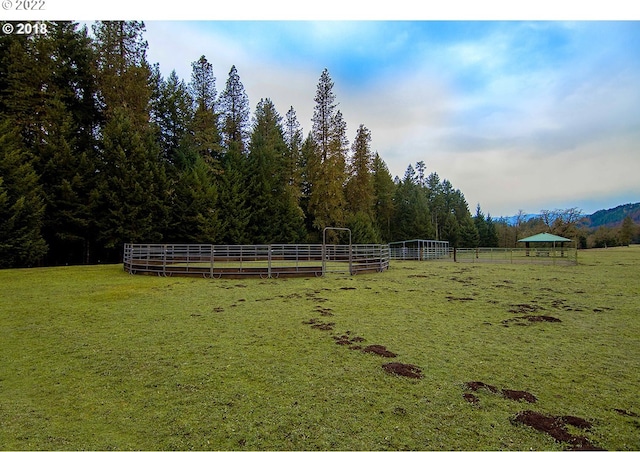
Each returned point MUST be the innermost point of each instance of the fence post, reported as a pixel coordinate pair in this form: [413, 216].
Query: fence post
[211, 261]
[164, 261]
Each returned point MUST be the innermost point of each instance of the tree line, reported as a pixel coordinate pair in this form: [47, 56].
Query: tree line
[570, 223]
[98, 148]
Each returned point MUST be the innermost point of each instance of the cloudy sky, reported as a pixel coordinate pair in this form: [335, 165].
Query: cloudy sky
[517, 114]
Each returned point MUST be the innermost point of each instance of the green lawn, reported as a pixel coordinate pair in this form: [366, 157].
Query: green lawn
[94, 358]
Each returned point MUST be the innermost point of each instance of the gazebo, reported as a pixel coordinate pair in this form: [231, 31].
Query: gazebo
[545, 237]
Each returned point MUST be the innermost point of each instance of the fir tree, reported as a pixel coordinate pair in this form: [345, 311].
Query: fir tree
[293, 139]
[131, 198]
[233, 207]
[275, 215]
[492, 233]
[173, 115]
[21, 204]
[130, 208]
[53, 104]
[437, 205]
[481, 226]
[205, 138]
[194, 214]
[384, 192]
[203, 85]
[124, 75]
[233, 204]
[234, 111]
[359, 192]
[328, 172]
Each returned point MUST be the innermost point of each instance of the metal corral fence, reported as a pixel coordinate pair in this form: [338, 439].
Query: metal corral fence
[419, 249]
[551, 256]
[265, 261]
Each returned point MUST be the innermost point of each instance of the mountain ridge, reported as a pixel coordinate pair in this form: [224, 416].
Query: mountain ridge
[612, 217]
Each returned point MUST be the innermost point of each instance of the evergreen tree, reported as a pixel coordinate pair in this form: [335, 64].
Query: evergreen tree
[194, 215]
[362, 229]
[328, 174]
[481, 226]
[124, 75]
[308, 168]
[359, 191]
[234, 110]
[383, 194]
[323, 116]
[173, 116]
[627, 231]
[293, 139]
[274, 213]
[21, 204]
[492, 233]
[131, 198]
[128, 202]
[205, 136]
[420, 173]
[436, 203]
[450, 230]
[203, 85]
[50, 95]
[466, 233]
[233, 207]
[413, 219]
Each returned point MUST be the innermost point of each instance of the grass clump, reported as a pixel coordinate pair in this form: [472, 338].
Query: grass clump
[94, 358]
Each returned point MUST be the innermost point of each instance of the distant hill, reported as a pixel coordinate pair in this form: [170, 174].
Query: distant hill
[613, 217]
[511, 221]
[606, 217]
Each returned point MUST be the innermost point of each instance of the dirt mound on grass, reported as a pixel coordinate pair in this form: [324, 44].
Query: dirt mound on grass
[523, 308]
[471, 398]
[506, 393]
[346, 340]
[625, 412]
[324, 311]
[556, 427]
[404, 370]
[519, 395]
[542, 318]
[379, 350]
[315, 323]
[475, 385]
[527, 319]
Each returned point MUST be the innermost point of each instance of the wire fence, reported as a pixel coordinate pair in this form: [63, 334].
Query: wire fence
[550, 256]
[265, 261]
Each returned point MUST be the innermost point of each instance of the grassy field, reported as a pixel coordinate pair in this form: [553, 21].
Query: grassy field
[94, 358]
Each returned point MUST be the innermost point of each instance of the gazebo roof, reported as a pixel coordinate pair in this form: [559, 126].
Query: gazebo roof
[545, 237]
